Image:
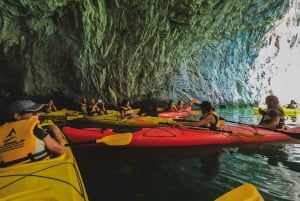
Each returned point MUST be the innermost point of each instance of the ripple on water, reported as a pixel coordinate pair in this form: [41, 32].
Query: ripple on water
[192, 174]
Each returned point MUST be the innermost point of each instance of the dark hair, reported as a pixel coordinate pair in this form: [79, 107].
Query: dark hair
[207, 106]
[124, 102]
[273, 99]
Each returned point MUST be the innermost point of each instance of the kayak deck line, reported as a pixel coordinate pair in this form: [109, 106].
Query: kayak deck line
[57, 178]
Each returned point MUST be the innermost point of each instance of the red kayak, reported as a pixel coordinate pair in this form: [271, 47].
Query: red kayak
[176, 115]
[171, 136]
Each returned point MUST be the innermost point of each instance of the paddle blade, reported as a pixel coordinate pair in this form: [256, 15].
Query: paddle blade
[116, 140]
[193, 100]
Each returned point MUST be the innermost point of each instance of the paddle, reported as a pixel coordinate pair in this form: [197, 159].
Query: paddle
[113, 140]
[295, 135]
[193, 100]
[221, 130]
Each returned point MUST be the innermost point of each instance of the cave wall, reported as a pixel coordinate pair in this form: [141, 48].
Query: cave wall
[131, 49]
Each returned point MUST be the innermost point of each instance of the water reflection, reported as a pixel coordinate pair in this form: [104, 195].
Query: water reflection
[193, 173]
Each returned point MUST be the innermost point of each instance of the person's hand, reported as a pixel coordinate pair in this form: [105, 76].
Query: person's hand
[261, 111]
[176, 124]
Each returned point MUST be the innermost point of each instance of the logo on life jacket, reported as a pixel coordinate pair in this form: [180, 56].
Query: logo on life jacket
[11, 142]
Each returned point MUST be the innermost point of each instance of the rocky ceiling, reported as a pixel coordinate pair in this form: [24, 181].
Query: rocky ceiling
[134, 49]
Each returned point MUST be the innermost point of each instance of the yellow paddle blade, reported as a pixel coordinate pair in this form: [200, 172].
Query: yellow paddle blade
[245, 192]
[116, 140]
[193, 100]
[72, 117]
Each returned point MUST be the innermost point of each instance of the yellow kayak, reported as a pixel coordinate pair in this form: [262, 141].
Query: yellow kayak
[245, 192]
[115, 120]
[53, 179]
[59, 115]
[288, 111]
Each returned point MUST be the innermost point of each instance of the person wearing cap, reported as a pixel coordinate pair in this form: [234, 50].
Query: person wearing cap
[102, 110]
[209, 118]
[22, 138]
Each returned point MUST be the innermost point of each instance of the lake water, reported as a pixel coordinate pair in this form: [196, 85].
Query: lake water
[192, 173]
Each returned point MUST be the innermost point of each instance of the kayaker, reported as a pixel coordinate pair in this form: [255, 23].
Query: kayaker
[209, 118]
[83, 106]
[23, 139]
[101, 106]
[274, 116]
[126, 110]
[93, 108]
[292, 105]
[180, 106]
[50, 107]
[172, 106]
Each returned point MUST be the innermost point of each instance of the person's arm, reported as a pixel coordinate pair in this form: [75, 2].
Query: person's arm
[122, 112]
[54, 107]
[274, 119]
[201, 122]
[174, 108]
[47, 108]
[272, 123]
[261, 111]
[54, 142]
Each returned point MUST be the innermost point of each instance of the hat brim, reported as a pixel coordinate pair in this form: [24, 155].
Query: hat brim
[35, 108]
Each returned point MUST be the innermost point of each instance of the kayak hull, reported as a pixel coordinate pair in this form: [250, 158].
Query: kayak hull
[288, 111]
[178, 136]
[115, 120]
[59, 116]
[175, 115]
[53, 179]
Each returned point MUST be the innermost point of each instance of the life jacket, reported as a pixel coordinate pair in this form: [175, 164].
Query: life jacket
[211, 126]
[127, 111]
[266, 118]
[83, 107]
[93, 109]
[18, 142]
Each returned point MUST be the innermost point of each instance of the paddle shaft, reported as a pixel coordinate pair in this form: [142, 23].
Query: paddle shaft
[291, 134]
[82, 143]
[113, 140]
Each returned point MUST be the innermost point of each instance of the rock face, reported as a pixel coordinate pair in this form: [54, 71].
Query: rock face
[132, 49]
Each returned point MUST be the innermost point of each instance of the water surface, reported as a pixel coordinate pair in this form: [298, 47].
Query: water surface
[193, 173]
